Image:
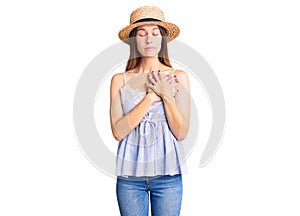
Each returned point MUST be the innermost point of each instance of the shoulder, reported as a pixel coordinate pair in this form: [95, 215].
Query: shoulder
[182, 78]
[181, 74]
[117, 79]
[117, 76]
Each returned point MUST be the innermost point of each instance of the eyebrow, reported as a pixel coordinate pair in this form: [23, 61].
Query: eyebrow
[139, 28]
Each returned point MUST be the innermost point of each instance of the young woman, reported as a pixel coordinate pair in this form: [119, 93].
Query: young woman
[149, 112]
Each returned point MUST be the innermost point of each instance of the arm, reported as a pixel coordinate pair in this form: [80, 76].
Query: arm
[177, 108]
[121, 124]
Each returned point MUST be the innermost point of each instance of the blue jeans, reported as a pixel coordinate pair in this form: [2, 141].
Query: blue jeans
[165, 193]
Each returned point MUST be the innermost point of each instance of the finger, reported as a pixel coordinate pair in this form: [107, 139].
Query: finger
[169, 79]
[174, 92]
[159, 74]
[151, 78]
[154, 88]
[149, 89]
[146, 87]
[156, 76]
[175, 78]
[172, 81]
[152, 74]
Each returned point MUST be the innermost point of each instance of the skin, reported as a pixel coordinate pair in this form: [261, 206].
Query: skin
[158, 86]
[148, 40]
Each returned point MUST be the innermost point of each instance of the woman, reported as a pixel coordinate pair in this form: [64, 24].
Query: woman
[149, 112]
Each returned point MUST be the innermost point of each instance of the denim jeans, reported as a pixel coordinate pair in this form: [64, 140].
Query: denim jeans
[164, 192]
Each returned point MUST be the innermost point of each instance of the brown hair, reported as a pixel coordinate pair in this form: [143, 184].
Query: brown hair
[135, 57]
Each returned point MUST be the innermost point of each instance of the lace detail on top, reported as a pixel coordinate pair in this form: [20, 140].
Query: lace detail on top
[130, 97]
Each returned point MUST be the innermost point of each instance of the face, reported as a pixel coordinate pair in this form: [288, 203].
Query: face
[148, 39]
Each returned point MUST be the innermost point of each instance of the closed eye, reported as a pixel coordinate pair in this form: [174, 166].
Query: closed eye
[142, 33]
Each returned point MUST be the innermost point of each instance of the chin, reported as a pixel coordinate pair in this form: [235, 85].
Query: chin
[149, 54]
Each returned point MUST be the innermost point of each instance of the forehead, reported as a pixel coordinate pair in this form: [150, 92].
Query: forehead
[147, 27]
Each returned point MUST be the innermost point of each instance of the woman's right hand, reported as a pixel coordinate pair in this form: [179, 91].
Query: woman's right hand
[153, 96]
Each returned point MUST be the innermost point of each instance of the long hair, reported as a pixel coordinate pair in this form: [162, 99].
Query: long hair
[135, 57]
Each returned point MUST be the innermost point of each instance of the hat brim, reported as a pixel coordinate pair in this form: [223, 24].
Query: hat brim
[172, 30]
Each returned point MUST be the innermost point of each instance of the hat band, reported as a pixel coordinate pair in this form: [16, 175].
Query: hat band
[147, 20]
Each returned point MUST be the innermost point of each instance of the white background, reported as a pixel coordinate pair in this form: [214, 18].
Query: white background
[253, 47]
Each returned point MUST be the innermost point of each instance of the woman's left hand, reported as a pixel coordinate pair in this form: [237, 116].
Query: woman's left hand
[163, 85]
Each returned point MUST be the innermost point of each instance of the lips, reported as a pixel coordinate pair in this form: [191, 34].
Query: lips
[150, 48]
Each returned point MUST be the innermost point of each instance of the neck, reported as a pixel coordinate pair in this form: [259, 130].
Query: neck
[149, 64]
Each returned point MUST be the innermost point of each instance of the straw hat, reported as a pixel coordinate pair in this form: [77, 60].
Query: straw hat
[148, 15]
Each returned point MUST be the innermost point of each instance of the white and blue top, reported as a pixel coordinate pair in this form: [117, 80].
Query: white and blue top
[150, 149]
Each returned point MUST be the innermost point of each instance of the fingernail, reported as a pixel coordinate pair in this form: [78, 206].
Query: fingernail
[174, 76]
[158, 71]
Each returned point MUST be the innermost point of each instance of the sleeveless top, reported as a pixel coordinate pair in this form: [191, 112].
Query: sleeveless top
[150, 149]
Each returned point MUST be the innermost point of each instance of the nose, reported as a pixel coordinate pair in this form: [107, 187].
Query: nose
[149, 39]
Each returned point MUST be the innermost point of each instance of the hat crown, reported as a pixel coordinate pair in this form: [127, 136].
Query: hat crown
[147, 12]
